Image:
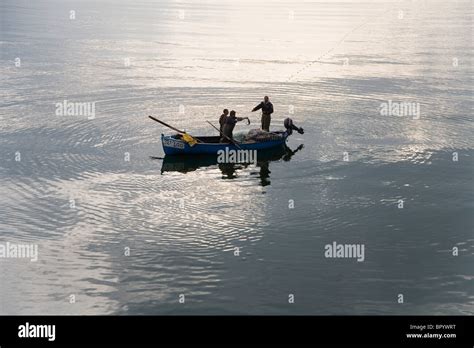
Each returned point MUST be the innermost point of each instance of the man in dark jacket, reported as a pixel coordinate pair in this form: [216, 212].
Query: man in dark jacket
[222, 118]
[229, 125]
[267, 110]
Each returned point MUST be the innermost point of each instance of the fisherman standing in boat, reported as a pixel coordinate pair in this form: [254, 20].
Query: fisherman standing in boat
[267, 110]
[229, 125]
[222, 119]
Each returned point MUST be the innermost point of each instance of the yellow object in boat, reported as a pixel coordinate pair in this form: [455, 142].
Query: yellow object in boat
[189, 139]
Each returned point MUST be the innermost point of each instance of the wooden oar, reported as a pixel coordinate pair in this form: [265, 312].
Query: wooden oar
[225, 136]
[171, 127]
[166, 125]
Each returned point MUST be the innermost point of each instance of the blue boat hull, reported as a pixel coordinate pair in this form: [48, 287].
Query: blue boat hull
[176, 146]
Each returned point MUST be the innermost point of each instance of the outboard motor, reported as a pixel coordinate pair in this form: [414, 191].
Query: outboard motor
[290, 127]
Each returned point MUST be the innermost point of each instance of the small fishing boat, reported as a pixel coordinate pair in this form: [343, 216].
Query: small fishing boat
[184, 144]
[176, 145]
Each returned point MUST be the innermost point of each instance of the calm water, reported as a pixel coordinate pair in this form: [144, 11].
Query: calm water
[331, 63]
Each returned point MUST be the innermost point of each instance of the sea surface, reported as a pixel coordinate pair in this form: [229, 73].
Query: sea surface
[120, 230]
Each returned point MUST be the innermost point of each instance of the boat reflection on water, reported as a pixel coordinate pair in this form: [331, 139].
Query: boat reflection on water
[185, 164]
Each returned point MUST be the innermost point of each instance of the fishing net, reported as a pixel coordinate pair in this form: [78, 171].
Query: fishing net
[259, 135]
